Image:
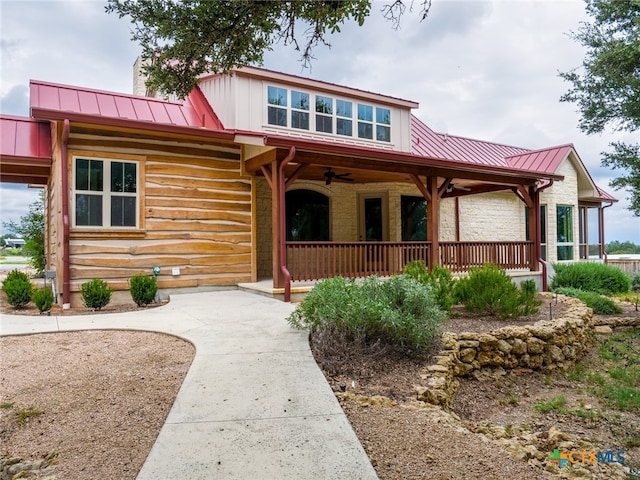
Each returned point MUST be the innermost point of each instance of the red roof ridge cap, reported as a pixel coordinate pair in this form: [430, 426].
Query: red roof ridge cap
[569, 145]
[106, 92]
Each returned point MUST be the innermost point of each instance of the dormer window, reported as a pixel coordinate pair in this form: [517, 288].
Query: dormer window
[333, 116]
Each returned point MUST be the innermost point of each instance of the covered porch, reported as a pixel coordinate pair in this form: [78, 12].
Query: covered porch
[368, 245]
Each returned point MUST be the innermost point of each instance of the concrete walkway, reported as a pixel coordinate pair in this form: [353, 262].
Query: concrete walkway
[254, 404]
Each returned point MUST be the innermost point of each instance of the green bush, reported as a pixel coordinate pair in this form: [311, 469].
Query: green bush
[18, 288]
[600, 305]
[635, 282]
[488, 290]
[440, 280]
[143, 289]
[43, 299]
[591, 277]
[96, 293]
[399, 313]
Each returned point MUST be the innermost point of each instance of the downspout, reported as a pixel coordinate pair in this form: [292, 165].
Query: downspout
[66, 290]
[602, 243]
[283, 226]
[538, 239]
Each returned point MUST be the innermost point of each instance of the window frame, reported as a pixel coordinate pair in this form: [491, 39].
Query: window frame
[567, 244]
[107, 194]
[334, 123]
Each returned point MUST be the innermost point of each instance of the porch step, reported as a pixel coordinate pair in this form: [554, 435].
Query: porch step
[265, 288]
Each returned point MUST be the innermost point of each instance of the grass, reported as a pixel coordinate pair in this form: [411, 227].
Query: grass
[555, 404]
[6, 406]
[24, 415]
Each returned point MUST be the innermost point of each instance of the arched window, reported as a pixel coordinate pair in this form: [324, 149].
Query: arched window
[307, 216]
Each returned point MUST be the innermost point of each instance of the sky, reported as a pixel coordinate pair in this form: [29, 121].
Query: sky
[481, 69]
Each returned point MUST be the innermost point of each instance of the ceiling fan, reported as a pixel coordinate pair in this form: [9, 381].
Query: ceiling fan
[330, 175]
[453, 187]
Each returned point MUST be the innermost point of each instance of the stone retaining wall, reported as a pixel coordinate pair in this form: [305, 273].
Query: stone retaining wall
[545, 345]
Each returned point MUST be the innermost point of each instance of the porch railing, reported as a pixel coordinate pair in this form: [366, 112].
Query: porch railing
[461, 256]
[318, 260]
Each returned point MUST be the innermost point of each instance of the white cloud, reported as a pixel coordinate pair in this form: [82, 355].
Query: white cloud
[482, 69]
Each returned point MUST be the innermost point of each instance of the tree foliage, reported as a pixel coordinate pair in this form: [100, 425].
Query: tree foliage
[182, 40]
[607, 87]
[617, 247]
[31, 228]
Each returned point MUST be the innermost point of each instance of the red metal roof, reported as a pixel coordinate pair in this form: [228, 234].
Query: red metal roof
[54, 101]
[25, 139]
[426, 142]
[544, 160]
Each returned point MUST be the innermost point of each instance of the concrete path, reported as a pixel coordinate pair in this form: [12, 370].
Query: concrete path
[254, 404]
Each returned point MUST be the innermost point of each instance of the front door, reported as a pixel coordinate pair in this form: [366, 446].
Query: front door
[373, 218]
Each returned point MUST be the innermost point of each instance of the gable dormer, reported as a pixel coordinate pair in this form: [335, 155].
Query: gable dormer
[258, 100]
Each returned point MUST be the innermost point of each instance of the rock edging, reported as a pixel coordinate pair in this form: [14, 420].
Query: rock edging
[546, 345]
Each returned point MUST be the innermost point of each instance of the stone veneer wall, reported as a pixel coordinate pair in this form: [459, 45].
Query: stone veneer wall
[545, 345]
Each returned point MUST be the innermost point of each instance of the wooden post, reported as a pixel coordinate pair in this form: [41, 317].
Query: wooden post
[535, 230]
[276, 212]
[433, 221]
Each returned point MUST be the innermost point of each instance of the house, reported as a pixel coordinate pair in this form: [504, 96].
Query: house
[264, 175]
[14, 242]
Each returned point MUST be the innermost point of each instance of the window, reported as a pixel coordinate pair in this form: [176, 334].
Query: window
[299, 110]
[413, 214]
[324, 105]
[106, 193]
[383, 122]
[564, 222]
[327, 115]
[365, 121]
[307, 216]
[277, 110]
[344, 114]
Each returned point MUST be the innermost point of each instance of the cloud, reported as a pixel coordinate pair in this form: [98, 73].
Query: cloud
[16, 101]
[14, 202]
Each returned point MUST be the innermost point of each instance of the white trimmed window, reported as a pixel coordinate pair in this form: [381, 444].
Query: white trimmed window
[564, 236]
[327, 115]
[105, 193]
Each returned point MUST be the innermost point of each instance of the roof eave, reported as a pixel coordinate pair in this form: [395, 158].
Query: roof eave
[48, 114]
[401, 157]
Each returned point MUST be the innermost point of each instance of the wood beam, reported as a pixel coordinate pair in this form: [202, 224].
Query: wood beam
[421, 187]
[524, 195]
[253, 164]
[266, 172]
[276, 207]
[444, 186]
[296, 173]
[433, 222]
[488, 188]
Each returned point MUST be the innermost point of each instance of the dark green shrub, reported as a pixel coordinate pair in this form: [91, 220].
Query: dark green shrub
[600, 305]
[591, 277]
[488, 290]
[399, 313]
[143, 289]
[43, 299]
[529, 287]
[96, 293]
[635, 282]
[18, 289]
[440, 280]
[16, 275]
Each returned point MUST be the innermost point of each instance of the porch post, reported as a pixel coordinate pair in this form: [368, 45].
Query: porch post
[602, 253]
[433, 221]
[276, 232]
[535, 230]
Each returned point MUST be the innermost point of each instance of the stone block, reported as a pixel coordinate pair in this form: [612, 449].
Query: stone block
[535, 345]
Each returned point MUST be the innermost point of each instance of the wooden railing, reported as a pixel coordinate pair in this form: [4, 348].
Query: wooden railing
[461, 256]
[317, 260]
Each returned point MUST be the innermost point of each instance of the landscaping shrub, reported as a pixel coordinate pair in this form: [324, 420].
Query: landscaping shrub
[143, 289]
[18, 288]
[635, 282]
[440, 280]
[600, 305]
[399, 313]
[96, 293]
[489, 290]
[43, 299]
[591, 277]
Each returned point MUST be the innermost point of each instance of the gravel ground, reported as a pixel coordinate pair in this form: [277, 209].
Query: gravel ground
[90, 403]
